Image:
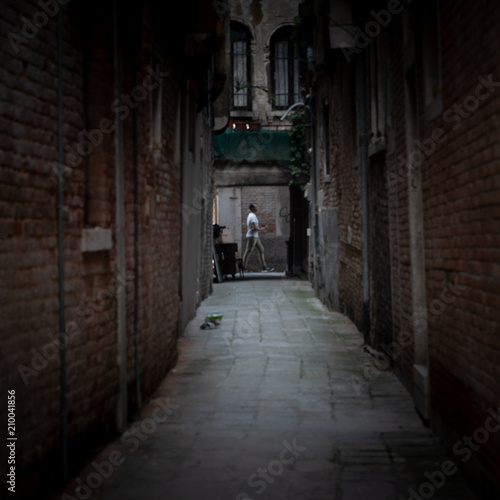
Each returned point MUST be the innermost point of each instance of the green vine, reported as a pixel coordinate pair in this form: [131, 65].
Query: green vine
[299, 168]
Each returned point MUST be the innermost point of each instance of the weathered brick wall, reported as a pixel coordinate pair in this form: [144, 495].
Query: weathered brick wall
[28, 223]
[91, 284]
[460, 177]
[397, 186]
[458, 182]
[29, 275]
[461, 203]
[159, 191]
[379, 249]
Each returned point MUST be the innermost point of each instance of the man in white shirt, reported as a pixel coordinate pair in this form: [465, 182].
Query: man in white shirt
[253, 240]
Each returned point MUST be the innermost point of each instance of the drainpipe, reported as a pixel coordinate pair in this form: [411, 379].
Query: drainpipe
[363, 158]
[136, 248]
[121, 413]
[314, 214]
[291, 108]
[60, 234]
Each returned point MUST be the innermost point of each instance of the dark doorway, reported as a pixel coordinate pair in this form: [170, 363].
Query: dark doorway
[379, 254]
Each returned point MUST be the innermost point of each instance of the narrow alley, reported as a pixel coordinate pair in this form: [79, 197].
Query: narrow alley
[276, 403]
[324, 174]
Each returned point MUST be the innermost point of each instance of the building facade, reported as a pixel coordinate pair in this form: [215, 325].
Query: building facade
[252, 142]
[105, 213]
[404, 203]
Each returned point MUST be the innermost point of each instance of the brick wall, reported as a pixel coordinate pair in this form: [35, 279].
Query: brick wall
[459, 176]
[29, 271]
[379, 246]
[460, 190]
[458, 179]
[457, 127]
[159, 193]
[397, 182]
[28, 223]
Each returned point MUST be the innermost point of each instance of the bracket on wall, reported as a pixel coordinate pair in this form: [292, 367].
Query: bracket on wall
[96, 239]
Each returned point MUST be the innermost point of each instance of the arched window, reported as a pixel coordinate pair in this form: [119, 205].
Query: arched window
[240, 64]
[284, 69]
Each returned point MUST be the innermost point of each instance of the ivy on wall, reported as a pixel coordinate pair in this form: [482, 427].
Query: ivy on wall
[299, 168]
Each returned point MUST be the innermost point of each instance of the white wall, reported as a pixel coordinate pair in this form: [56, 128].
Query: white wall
[230, 213]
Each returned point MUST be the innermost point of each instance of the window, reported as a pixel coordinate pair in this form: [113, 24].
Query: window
[240, 63]
[285, 69]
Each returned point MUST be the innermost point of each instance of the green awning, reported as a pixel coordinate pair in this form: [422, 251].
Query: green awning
[253, 146]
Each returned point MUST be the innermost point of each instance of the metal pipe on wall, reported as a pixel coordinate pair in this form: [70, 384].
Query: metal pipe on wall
[60, 234]
[122, 404]
[136, 248]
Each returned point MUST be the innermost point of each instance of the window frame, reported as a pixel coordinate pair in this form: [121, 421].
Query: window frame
[240, 29]
[284, 35]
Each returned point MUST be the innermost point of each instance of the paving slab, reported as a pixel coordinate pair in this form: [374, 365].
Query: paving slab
[273, 404]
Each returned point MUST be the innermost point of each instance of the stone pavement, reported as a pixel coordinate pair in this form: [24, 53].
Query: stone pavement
[273, 404]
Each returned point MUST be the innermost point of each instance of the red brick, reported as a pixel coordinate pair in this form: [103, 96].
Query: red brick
[461, 210]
